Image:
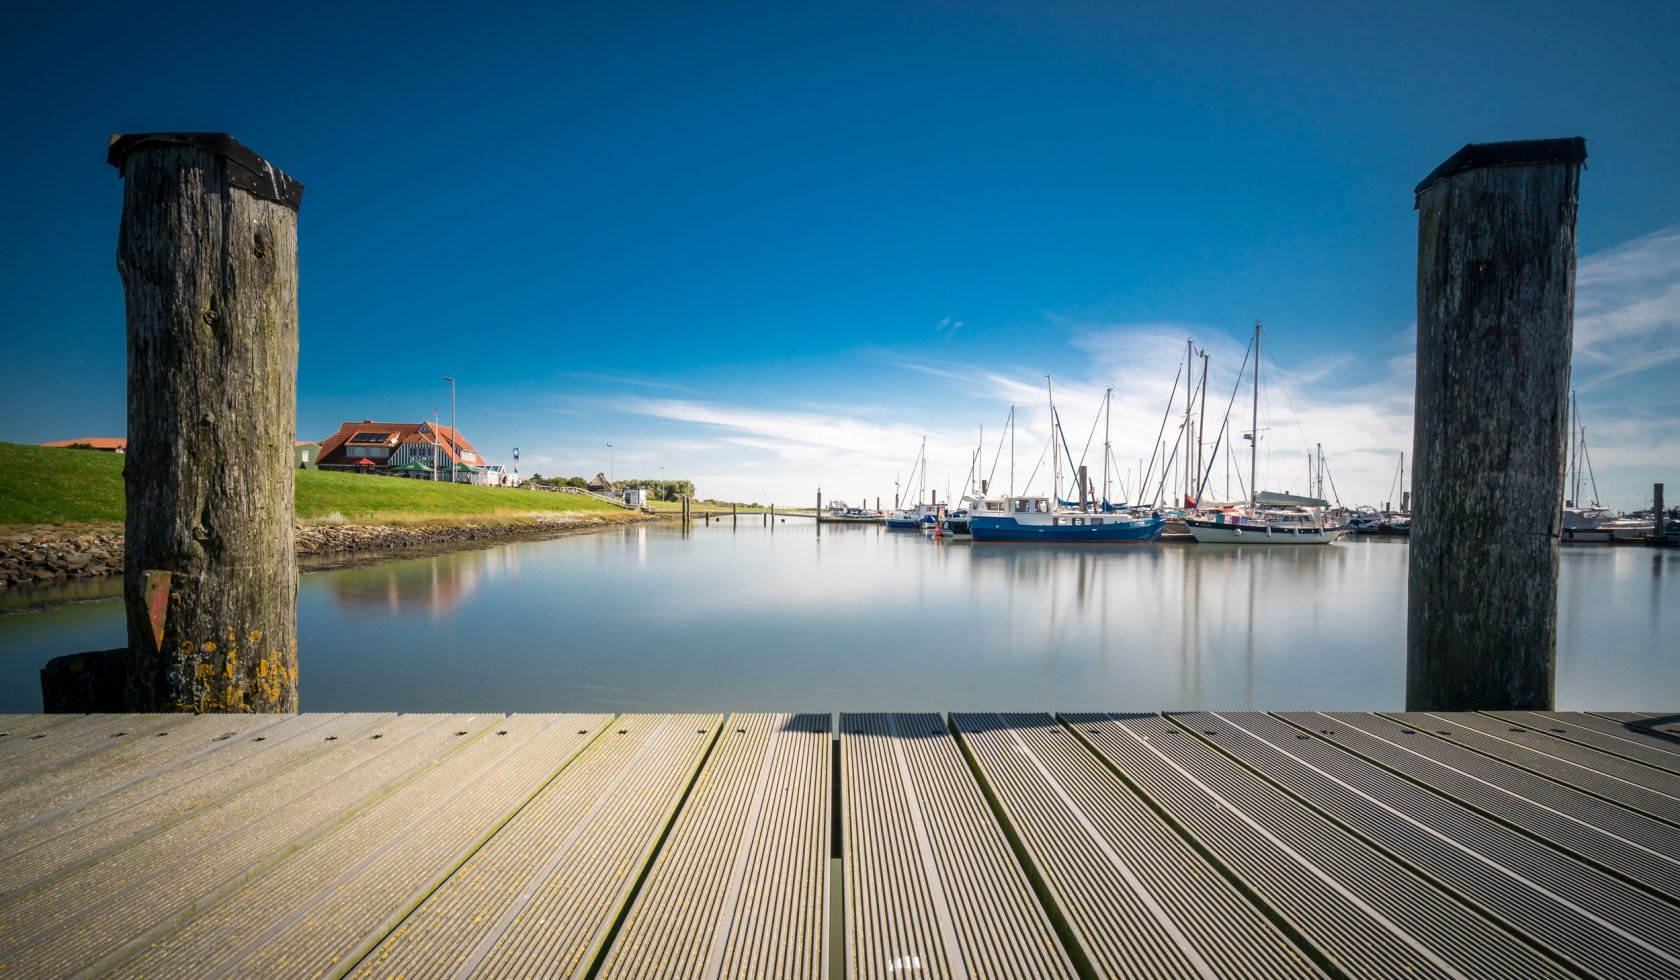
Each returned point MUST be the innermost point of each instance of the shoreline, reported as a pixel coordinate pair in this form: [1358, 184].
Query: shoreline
[38, 557]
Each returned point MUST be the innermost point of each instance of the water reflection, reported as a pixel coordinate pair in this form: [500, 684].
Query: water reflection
[756, 616]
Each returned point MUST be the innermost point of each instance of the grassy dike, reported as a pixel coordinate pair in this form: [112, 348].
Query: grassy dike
[82, 488]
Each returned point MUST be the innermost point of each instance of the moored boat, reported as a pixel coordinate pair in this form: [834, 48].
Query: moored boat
[1034, 519]
[1274, 518]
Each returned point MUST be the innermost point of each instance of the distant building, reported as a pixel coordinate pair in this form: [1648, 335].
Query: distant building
[412, 449]
[602, 485]
[106, 444]
[307, 454]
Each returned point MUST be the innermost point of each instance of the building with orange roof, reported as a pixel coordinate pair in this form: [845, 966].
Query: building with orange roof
[108, 444]
[406, 449]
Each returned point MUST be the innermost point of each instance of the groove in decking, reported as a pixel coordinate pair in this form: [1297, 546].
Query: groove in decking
[1365, 913]
[740, 887]
[1656, 751]
[1138, 900]
[542, 894]
[1575, 913]
[369, 869]
[1608, 776]
[932, 888]
[92, 911]
[1643, 851]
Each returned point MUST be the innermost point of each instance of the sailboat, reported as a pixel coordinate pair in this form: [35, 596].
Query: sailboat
[1052, 519]
[921, 515]
[1582, 524]
[1269, 518]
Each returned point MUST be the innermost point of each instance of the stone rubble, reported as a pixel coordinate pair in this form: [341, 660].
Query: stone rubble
[42, 557]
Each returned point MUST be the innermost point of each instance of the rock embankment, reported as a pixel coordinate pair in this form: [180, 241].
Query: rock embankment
[329, 539]
[38, 559]
[44, 557]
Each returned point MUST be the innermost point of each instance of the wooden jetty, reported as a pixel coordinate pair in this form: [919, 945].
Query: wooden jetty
[884, 846]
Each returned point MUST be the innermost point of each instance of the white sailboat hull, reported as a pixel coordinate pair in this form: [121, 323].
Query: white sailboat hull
[1208, 532]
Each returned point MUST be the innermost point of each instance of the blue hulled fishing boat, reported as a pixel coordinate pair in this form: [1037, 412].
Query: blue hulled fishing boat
[1034, 519]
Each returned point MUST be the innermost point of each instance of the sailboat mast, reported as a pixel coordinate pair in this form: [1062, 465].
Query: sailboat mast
[1012, 450]
[921, 483]
[1108, 408]
[1201, 431]
[1254, 428]
[1055, 454]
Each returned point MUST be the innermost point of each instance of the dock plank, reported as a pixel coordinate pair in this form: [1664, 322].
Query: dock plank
[91, 912]
[1640, 849]
[1577, 914]
[125, 761]
[60, 745]
[20, 728]
[740, 888]
[932, 887]
[1662, 752]
[1137, 899]
[50, 844]
[1611, 777]
[354, 882]
[543, 894]
[1365, 913]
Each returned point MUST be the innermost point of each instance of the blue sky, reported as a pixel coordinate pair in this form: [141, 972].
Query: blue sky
[769, 246]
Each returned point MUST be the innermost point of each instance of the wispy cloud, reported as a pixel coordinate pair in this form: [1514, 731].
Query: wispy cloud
[1627, 306]
[624, 379]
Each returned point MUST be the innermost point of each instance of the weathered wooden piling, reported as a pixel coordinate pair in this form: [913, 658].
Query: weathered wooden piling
[1659, 518]
[1495, 293]
[208, 257]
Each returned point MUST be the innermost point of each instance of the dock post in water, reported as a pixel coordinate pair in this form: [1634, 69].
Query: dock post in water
[1495, 294]
[1659, 518]
[208, 257]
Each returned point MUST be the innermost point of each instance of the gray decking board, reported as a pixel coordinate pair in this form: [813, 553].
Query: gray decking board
[304, 845]
[86, 735]
[20, 728]
[1364, 912]
[371, 868]
[93, 911]
[1138, 900]
[1641, 849]
[123, 761]
[541, 896]
[57, 841]
[740, 887]
[931, 886]
[1583, 917]
[1612, 777]
[1600, 733]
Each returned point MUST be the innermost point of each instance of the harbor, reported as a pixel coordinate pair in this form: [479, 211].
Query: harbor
[744, 615]
[713, 845]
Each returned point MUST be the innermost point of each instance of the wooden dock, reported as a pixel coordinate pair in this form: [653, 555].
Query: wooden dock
[885, 846]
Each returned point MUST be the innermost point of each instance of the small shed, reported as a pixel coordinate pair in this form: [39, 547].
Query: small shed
[635, 497]
[306, 453]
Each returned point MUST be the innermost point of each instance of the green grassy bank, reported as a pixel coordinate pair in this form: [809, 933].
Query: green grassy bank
[40, 486]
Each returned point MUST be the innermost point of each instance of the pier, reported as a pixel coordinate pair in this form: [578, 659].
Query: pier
[873, 845]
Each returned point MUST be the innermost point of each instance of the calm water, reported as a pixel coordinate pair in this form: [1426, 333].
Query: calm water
[747, 618]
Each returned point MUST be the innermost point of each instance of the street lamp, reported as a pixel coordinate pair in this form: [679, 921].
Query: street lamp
[454, 433]
[612, 470]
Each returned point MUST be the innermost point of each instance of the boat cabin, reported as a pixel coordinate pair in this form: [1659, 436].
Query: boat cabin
[1028, 505]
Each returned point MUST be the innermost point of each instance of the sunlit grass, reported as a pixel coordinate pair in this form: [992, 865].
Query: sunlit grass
[39, 485]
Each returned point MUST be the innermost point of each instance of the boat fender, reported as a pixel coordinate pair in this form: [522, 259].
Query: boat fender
[1239, 532]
